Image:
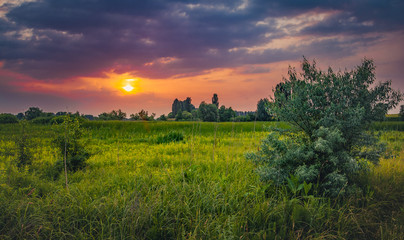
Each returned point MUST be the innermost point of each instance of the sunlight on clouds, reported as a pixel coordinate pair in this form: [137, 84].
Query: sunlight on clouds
[162, 61]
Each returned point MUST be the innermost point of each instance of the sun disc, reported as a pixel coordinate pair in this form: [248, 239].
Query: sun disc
[128, 88]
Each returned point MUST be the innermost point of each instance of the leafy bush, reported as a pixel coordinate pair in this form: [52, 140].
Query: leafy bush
[42, 120]
[170, 137]
[330, 113]
[8, 118]
[24, 146]
[68, 143]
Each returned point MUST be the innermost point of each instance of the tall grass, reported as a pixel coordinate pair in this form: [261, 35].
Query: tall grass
[177, 190]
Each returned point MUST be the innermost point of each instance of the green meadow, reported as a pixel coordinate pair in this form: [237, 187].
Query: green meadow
[139, 185]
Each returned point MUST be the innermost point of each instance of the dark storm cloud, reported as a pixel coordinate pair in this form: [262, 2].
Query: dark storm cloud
[55, 39]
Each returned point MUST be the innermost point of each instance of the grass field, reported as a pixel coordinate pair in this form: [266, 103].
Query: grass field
[199, 188]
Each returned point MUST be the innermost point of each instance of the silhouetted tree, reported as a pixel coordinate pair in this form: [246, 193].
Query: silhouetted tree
[208, 112]
[176, 107]
[215, 100]
[187, 105]
[33, 112]
[262, 110]
[226, 114]
[20, 116]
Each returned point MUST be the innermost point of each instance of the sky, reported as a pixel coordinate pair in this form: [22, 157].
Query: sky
[80, 55]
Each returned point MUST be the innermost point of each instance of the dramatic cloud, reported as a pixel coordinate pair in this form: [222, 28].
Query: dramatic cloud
[62, 41]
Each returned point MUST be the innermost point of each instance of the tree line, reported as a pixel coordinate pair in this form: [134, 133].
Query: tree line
[180, 111]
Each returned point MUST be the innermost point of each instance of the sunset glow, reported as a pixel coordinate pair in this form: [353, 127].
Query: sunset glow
[91, 58]
[128, 88]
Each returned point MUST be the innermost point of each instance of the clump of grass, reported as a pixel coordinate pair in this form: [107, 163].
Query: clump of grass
[172, 136]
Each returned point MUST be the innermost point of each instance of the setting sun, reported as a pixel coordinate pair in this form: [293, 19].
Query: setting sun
[128, 87]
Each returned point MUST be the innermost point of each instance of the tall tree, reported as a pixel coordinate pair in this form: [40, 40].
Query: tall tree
[208, 112]
[187, 105]
[215, 100]
[262, 110]
[176, 107]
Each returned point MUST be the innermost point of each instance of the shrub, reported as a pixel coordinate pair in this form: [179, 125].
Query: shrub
[42, 120]
[8, 118]
[170, 137]
[68, 143]
[331, 113]
[24, 147]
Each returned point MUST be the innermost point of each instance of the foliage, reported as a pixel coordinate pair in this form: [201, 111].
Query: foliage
[172, 136]
[20, 116]
[24, 145]
[263, 111]
[401, 114]
[208, 112]
[133, 188]
[8, 118]
[33, 112]
[183, 115]
[113, 115]
[67, 141]
[226, 114]
[215, 100]
[331, 113]
[143, 115]
[162, 118]
[42, 120]
[180, 106]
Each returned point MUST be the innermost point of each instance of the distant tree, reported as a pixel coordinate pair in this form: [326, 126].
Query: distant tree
[195, 115]
[33, 112]
[187, 105]
[226, 114]
[170, 115]
[178, 116]
[401, 112]
[162, 118]
[215, 100]
[134, 116]
[61, 113]
[183, 115]
[262, 110]
[176, 107]
[331, 114]
[8, 118]
[113, 115]
[104, 116]
[208, 112]
[143, 115]
[89, 116]
[20, 116]
[186, 115]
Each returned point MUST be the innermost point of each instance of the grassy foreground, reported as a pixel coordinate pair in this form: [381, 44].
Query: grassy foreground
[200, 188]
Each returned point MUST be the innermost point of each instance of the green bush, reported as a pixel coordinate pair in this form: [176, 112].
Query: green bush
[8, 118]
[331, 113]
[42, 120]
[68, 143]
[170, 137]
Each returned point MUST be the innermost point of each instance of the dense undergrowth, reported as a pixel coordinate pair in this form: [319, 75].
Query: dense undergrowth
[135, 187]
